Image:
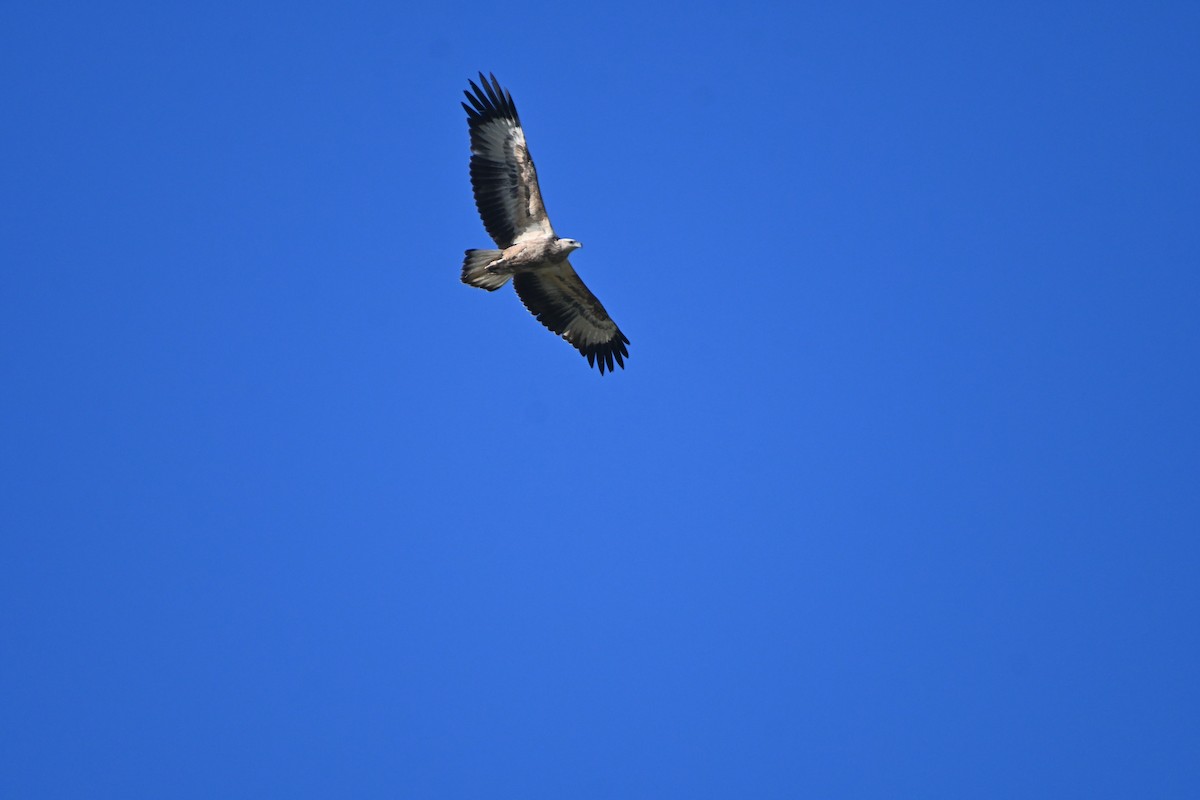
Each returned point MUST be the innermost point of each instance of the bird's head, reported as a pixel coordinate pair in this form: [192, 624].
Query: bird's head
[570, 244]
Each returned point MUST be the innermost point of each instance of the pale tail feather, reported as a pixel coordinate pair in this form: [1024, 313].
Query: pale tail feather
[473, 271]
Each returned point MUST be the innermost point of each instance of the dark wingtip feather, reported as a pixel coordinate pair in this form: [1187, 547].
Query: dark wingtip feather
[606, 356]
[491, 100]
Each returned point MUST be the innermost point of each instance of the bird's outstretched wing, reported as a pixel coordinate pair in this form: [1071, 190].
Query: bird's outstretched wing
[502, 172]
[560, 301]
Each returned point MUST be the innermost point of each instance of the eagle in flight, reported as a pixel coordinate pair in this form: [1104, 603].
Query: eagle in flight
[530, 252]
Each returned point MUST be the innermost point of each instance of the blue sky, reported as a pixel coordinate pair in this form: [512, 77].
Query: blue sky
[897, 496]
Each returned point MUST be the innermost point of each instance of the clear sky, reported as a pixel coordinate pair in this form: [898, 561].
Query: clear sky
[898, 495]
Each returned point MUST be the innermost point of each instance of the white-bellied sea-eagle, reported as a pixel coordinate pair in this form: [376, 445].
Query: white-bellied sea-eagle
[510, 204]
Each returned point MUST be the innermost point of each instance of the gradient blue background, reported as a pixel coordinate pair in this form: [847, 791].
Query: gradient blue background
[898, 496]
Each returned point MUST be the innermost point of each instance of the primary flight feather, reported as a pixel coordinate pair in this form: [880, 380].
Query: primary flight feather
[530, 253]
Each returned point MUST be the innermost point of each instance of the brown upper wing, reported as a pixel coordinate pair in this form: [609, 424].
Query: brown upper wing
[502, 172]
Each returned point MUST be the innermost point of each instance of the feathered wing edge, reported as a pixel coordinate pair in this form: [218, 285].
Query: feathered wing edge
[561, 302]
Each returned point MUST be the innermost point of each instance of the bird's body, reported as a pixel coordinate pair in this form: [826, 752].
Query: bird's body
[530, 252]
[537, 253]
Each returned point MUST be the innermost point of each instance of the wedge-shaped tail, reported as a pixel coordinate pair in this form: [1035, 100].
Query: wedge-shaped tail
[474, 271]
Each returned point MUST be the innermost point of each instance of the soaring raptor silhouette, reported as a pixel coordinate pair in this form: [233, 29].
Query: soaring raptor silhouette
[510, 204]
